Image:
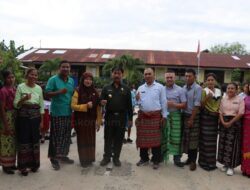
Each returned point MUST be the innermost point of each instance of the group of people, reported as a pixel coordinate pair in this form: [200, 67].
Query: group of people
[172, 120]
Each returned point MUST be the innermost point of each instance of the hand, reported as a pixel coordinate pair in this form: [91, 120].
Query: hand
[210, 95]
[90, 105]
[190, 123]
[163, 122]
[137, 96]
[41, 125]
[227, 124]
[63, 91]
[27, 97]
[103, 102]
[171, 104]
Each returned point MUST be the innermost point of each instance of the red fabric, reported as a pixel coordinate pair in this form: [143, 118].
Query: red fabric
[46, 121]
[148, 130]
[7, 95]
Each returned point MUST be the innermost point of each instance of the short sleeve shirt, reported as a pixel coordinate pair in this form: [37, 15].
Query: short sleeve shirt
[232, 106]
[60, 104]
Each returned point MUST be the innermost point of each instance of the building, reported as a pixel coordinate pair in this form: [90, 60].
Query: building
[93, 60]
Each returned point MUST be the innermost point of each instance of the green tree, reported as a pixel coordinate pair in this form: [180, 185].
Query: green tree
[234, 48]
[236, 75]
[132, 66]
[48, 68]
[11, 48]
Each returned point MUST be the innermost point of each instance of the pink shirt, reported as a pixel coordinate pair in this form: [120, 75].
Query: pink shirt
[232, 106]
[7, 96]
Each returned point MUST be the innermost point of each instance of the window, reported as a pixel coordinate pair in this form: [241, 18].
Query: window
[93, 55]
[235, 57]
[108, 56]
[42, 51]
[59, 51]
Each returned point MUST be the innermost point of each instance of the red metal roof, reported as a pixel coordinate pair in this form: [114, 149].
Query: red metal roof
[151, 57]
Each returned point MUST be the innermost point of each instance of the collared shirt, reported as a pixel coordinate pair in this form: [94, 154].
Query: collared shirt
[193, 94]
[153, 98]
[232, 106]
[176, 94]
[60, 104]
[118, 99]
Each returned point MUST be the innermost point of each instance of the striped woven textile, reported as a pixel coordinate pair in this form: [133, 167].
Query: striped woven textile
[245, 164]
[171, 135]
[229, 151]
[190, 138]
[148, 129]
[208, 139]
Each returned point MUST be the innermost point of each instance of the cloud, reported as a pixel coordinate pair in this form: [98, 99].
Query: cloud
[131, 24]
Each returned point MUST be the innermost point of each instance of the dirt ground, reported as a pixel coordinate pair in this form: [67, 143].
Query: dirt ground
[127, 177]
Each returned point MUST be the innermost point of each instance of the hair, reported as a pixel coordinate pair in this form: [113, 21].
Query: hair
[117, 68]
[211, 75]
[191, 71]
[170, 71]
[234, 84]
[29, 70]
[149, 68]
[61, 62]
[248, 92]
[6, 73]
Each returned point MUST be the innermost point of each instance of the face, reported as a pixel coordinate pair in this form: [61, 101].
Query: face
[32, 76]
[190, 78]
[10, 80]
[149, 75]
[117, 76]
[64, 69]
[170, 79]
[231, 90]
[245, 88]
[87, 82]
[210, 82]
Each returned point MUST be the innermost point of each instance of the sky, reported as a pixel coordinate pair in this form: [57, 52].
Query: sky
[171, 25]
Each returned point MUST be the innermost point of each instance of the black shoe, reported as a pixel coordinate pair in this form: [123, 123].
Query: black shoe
[67, 160]
[142, 163]
[179, 164]
[24, 173]
[8, 170]
[129, 140]
[34, 170]
[13, 167]
[42, 140]
[104, 162]
[192, 166]
[155, 166]
[55, 164]
[117, 162]
[124, 141]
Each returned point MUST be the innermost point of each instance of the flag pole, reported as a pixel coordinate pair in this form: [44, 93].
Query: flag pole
[198, 60]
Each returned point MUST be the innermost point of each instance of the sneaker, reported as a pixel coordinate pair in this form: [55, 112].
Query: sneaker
[67, 160]
[129, 140]
[230, 172]
[223, 169]
[179, 164]
[117, 162]
[142, 163]
[104, 162]
[55, 164]
[155, 166]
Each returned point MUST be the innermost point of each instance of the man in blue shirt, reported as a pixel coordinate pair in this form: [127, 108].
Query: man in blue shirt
[191, 131]
[60, 89]
[151, 98]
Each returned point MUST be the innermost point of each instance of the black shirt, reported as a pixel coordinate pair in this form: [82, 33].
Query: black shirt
[118, 99]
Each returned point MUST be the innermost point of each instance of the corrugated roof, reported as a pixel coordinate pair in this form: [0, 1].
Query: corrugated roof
[151, 57]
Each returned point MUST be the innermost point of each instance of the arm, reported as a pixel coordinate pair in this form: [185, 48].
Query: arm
[197, 103]
[130, 108]
[18, 101]
[78, 107]
[51, 91]
[163, 102]
[2, 110]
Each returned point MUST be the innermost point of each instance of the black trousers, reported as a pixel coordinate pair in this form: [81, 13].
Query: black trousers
[156, 151]
[113, 134]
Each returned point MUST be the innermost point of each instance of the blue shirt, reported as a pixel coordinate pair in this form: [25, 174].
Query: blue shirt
[175, 94]
[60, 104]
[152, 98]
[193, 94]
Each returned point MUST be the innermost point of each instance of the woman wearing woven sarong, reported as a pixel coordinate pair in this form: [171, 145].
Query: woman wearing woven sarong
[245, 163]
[231, 110]
[87, 118]
[209, 116]
[7, 124]
[29, 102]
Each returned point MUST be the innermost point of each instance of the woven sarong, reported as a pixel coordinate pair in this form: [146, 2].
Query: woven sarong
[171, 135]
[148, 129]
[208, 139]
[229, 151]
[245, 164]
[8, 142]
[190, 139]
